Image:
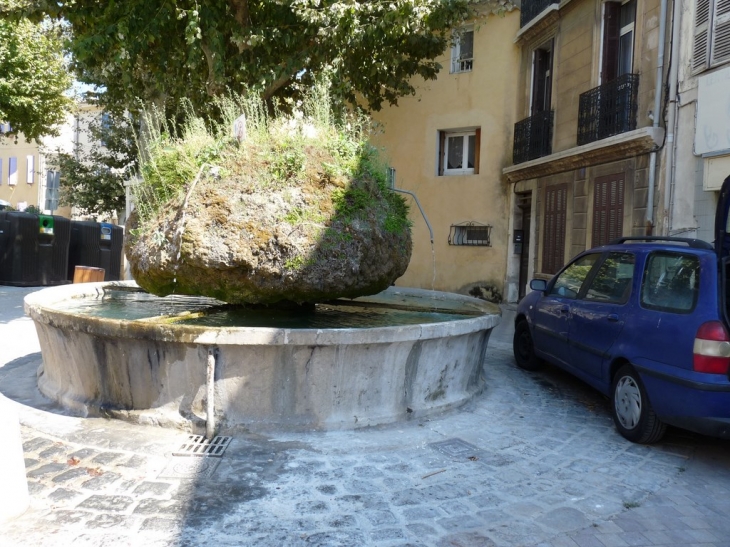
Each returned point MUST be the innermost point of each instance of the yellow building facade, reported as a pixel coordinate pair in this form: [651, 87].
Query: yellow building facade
[448, 144]
[20, 172]
[25, 166]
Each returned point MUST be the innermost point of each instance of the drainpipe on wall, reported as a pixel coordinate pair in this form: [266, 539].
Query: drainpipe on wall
[656, 114]
[671, 117]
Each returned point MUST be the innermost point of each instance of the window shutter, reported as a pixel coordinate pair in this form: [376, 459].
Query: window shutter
[608, 209]
[441, 151]
[556, 201]
[477, 147]
[702, 25]
[721, 32]
[13, 171]
[611, 35]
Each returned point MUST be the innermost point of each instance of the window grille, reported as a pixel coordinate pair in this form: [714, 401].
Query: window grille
[470, 233]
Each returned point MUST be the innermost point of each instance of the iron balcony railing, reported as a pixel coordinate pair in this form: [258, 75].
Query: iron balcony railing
[533, 137]
[609, 109]
[532, 8]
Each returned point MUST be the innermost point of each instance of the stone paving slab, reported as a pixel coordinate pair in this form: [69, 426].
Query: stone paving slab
[533, 461]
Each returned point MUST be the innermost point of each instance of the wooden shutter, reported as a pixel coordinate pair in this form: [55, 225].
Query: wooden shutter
[611, 34]
[608, 209]
[701, 28]
[556, 204]
[441, 151]
[477, 147]
[720, 32]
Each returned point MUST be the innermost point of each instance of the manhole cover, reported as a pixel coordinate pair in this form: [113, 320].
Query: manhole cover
[189, 468]
[198, 445]
[455, 448]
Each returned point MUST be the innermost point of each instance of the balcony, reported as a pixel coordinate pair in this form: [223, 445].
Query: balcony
[608, 110]
[533, 137]
[532, 8]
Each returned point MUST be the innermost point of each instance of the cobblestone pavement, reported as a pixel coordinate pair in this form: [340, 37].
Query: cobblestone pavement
[533, 461]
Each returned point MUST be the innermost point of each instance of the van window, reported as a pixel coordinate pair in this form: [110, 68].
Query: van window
[670, 282]
[571, 279]
[612, 282]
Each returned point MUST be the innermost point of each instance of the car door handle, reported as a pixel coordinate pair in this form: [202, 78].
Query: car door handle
[612, 317]
[564, 309]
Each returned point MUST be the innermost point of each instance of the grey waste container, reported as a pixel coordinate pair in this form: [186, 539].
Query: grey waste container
[96, 244]
[33, 249]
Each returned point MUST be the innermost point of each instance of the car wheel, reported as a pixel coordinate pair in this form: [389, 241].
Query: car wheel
[523, 348]
[632, 412]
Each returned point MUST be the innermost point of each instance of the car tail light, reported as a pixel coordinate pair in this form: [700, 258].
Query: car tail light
[712, 348]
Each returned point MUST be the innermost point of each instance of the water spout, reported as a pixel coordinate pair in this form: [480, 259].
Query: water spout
[391, 181]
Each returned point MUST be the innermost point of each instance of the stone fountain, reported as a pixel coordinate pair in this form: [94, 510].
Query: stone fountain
[154, 369]
[299, 224]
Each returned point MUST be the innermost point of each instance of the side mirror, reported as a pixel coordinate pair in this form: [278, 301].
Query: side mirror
[538, 285]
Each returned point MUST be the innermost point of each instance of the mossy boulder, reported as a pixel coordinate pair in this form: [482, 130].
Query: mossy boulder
[304, 217]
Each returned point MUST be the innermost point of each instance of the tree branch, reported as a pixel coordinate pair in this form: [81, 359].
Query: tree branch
[211, 86]
[240, 11]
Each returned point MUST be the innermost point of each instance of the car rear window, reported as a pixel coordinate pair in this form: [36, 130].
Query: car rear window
[670, 282]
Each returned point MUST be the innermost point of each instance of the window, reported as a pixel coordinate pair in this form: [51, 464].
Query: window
[459, 152]
[569, 282]
[670, 282]
[712, 34]
[542, 64]
[462, 51]
[556, 203]
[105, 127]
[30, 169]
[618, 39]
[470, 233]
[53, 182]
[13, 171]
[612, 283]
[608, 209]
[5, 128]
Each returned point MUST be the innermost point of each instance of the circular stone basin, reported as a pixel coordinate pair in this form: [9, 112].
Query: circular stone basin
[110, 349]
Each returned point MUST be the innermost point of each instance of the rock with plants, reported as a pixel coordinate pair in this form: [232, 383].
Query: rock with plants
[298, 211]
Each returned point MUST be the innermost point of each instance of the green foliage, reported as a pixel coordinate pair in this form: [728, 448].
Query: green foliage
[92, 179]
[318, 160]
[33, 78]
[33, 209]
[160, 51]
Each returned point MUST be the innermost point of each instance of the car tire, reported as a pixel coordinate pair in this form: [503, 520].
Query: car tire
[632, 413]
[524, 349]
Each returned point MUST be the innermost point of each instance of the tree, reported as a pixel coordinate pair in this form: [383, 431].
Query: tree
[92, 180]
[34, 78]
[160, 51]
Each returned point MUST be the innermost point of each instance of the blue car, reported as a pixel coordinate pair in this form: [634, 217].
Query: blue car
[645, 322]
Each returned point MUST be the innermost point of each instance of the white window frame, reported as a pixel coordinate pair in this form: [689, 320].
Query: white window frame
[626, 29]
[30, 169]
[459, 64]
[465, 134]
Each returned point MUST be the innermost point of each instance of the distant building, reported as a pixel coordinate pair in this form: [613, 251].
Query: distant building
[26, 167]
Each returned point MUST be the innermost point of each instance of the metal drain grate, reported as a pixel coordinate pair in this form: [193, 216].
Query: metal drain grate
[198, 445]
